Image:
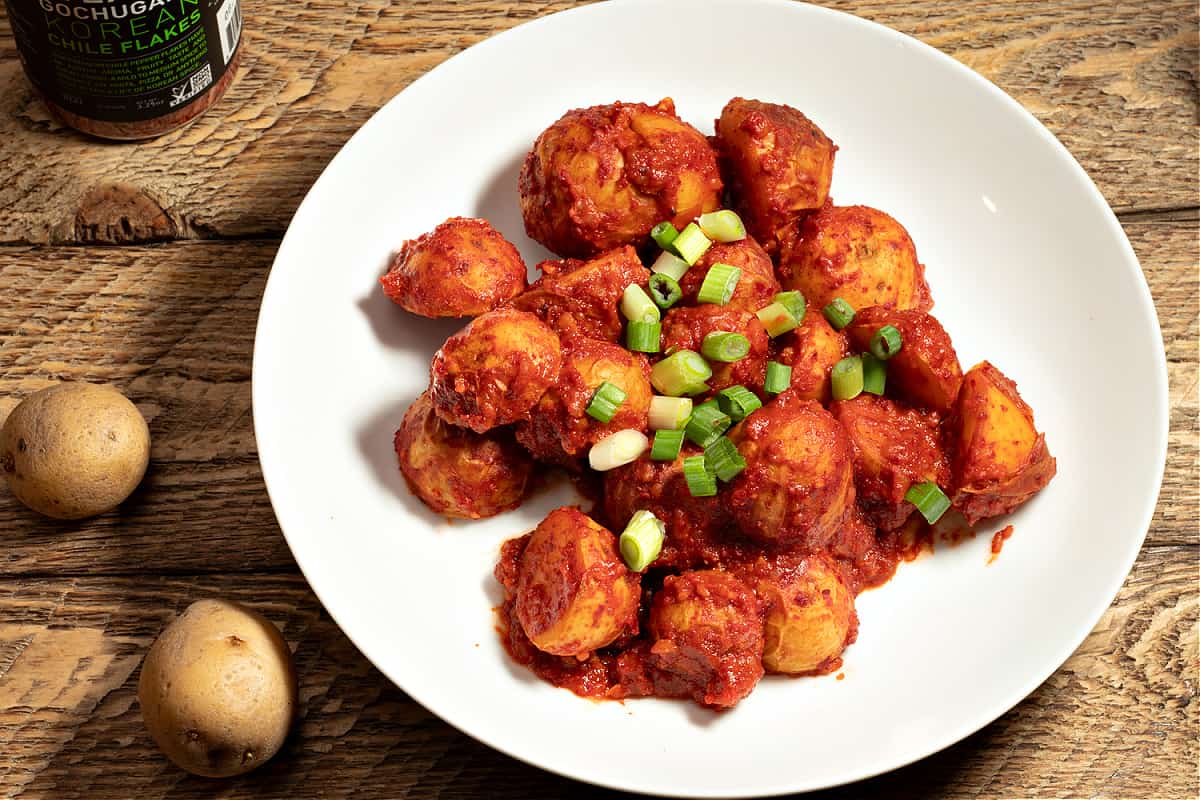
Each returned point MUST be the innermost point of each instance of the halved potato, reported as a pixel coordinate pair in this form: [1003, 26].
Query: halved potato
[925, 372]
[1001, 459]
[812, 350]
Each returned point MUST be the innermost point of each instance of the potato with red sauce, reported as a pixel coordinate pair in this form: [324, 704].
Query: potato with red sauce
[493, 371]
[461, 268]
[574, 594]
[684, 328]
[757, 286]
[926, 371]
[812, 350]
[810, 617]
[778, 165]
[559, 429]
[456, 471]
[583, 297]
[1001, 460]
[707, 638]
[798, 483]
[894, 448]
[602, 177]
[695, 535]
[859, 254]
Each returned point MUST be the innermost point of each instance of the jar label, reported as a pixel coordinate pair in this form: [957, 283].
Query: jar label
[125, 60]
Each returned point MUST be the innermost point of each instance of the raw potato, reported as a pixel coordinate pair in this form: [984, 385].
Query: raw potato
[74, 450]
[218, 689]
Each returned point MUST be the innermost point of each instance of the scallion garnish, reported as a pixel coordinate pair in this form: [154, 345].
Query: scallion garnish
[643, 337]
[701, 481]
[874, 374]
[684, 372]
[723, 459]
[777, 319]
[725, 346]
[664, 234]
[607, 398]
[691, 243]
[642, 540]
[667, 445]
[738, 402]
[794, 302]
[623, 447]
[839, 313]
[929, 500]
[706, 424]
[886, 342]
[722, 226]
[670, 265]
[669, 413]
[636, 306]
[779, 377]
[719, 284]
[664, 290]
[847, 378]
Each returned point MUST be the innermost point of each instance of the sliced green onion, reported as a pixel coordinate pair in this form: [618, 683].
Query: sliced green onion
[642, 540]
[691, 243]
[664, 234]
[839, 313]
[723, 459]
[777, 319]
[623, 447]
[929, 500]
[709, 403]
[725, 346]
[874, 374]
[669, 413]
[707, 423]
[684, 372]
[719, 284]
[886, 342]
[722, 226]
[643, 337]
[606, 400]
[636, 306]
[847, 378]
[794, 302]
[779, 377]
[667, 445]
[701, 481]
[664, 290]
[738, 402]
[670, 265]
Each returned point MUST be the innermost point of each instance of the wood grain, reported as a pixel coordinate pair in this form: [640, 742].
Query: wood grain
[1115, 81]
[173, 326]
[70, 725]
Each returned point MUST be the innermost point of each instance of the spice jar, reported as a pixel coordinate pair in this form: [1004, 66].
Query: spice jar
[128, 69]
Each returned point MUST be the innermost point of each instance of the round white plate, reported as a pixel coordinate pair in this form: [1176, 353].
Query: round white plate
[1029, 269]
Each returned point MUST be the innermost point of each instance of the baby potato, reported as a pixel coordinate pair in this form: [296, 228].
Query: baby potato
[778, 165]
[456, 471]
[74, 450]
[685, 328]
[926, 371]
[755, 289]
[1001, 460]
[461, 268]
[494, 370]
[856, 253]
[707, 638]
[810, 617]
[218, 689]
[559, 429]
[894, 448]
[574, 593]
[798, 483]
[812, 350]
[602, 177]
[583, 297]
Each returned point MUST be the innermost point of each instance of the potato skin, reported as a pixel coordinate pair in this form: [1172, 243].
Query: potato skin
[558, 429]
[684, 328]
[812, 350]
[74, 450]
[894, 447]
[755, 289]
[218, 689]
[1001, 460]
[461, 268]
[456, 471]
[708, 638]
[810, 617]
[583, 297]
[778, 165]
[926, 371]
[602, 177]
[798, 484]
[859, 254]
[574, 594]
[494, 370]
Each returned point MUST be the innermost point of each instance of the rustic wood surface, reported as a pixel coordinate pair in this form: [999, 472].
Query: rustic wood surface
[169, 317]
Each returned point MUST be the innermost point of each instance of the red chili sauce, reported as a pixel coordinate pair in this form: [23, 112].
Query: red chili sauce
[998, 540]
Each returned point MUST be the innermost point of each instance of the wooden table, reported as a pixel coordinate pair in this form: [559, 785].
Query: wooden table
[143, 266]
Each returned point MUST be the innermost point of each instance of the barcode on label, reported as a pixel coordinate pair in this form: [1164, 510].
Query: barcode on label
[229, 18]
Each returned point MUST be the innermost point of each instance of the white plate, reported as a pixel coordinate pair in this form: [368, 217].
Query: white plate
[1029, 269]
